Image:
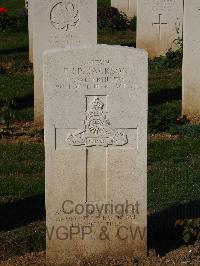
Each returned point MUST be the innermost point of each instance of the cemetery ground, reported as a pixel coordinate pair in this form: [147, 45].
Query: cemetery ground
[173, 157]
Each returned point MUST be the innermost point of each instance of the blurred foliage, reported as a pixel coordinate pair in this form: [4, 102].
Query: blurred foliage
[172, 59]
[163, 117]
[133, 24]
[7, 113]
[191, 232]
[186, 130]
[3, 21]
[110, 20]
[18, 22]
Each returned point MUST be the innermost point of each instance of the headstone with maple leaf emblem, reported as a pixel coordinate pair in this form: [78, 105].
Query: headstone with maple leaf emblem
[59, 24]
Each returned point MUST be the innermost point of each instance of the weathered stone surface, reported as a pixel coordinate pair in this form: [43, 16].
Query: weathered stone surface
[96, 151]
[59, 24]
[129, 7]
[159, 25]
[191, 60]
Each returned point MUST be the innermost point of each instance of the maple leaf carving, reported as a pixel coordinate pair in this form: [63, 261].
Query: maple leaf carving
[64, 16]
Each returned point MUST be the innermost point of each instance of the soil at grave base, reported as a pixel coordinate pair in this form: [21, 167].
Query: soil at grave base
[21, 132]
[183, 256]
[194, 120]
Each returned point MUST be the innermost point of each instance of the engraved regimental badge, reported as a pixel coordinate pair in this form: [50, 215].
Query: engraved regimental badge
[64, 16]
[98, 130]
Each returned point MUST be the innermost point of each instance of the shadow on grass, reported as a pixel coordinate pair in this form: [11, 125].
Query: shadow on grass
[24, 102]
[163, 235]
[129, 44]
[164, 96]
[22, 212]
[21, 103]
[118, 42]
[5, 52]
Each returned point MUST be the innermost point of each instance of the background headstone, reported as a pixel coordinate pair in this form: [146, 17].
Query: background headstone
[59, 24]
[96, 150]
[129, 7]
[191, 60]
[159, 25]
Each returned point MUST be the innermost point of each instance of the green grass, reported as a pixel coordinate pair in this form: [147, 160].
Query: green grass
[13, 44]
[161, 80]
[21, 177]
[173, 173]
[14, 86]
[104, 2]
[16, 78]
[173, 167]
[21, 171]
[173, 179]
[22, 240]
[165, 89]
[18, 87]
[126, 38]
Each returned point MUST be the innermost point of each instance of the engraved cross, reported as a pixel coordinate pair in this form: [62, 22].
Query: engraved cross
[159, 23]
[97, 136]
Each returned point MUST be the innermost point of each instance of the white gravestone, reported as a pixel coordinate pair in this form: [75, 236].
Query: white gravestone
[129, 7]
[30, 29]
[96, 151]
[191, 60]
[159, 25]
[59, 24]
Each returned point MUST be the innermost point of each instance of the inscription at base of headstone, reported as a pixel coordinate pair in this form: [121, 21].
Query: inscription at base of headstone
[59, 24]
[96, 151]
[191, 61]
[159, 26]
[129, 7]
